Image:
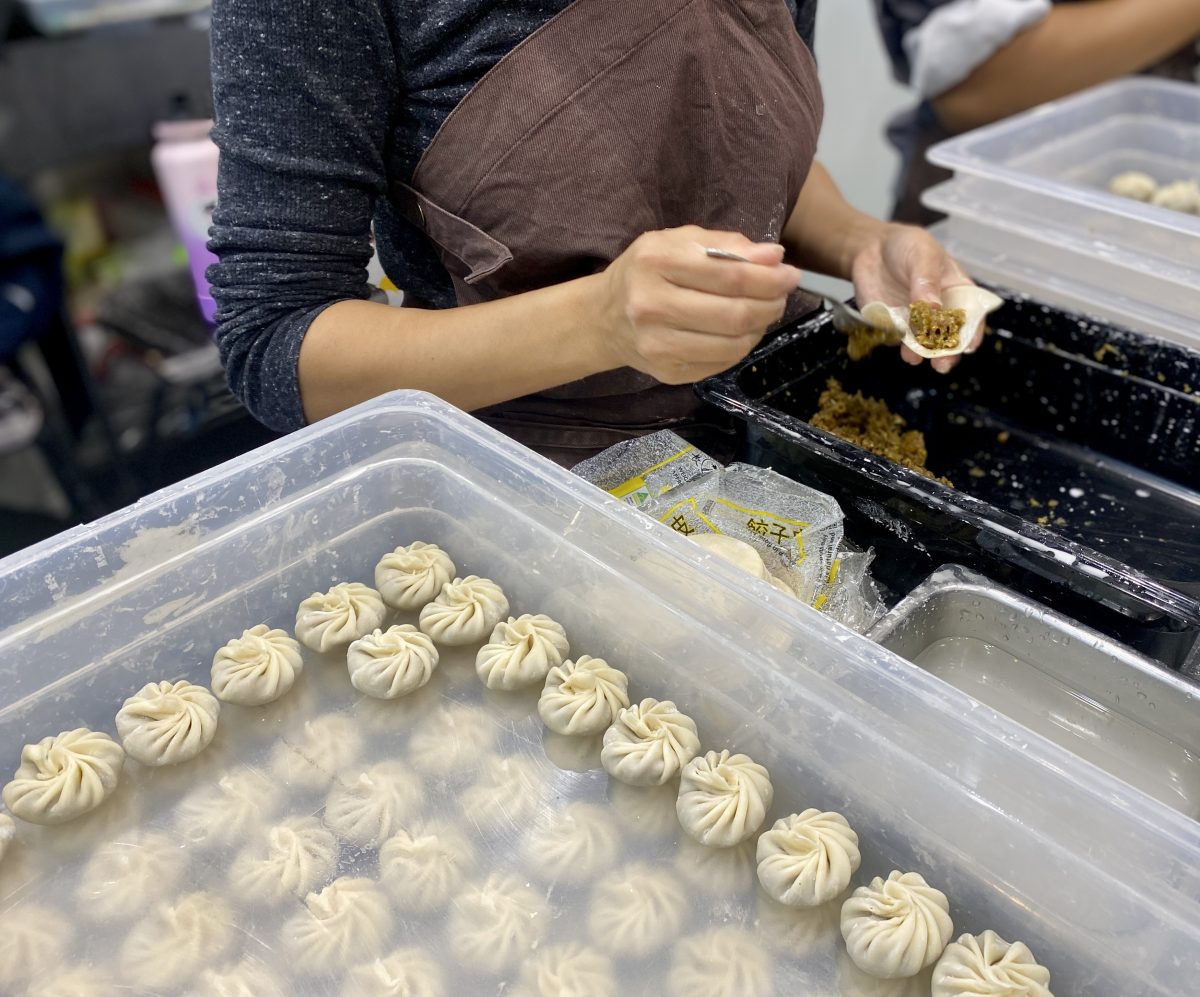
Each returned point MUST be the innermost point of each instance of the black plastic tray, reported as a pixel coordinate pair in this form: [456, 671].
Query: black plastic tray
[1054, 408]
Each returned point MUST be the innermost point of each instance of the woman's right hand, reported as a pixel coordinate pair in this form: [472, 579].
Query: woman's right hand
[671, 311]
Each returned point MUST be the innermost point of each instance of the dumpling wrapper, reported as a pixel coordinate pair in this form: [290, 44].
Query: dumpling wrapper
[977, 302]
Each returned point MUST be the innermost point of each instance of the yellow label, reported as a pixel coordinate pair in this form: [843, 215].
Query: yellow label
[635, 491]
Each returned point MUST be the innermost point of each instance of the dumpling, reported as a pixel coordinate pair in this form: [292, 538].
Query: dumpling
[257, 668]
[63, 777]
[411, 576]
[1135, 184]
[572, 754]
[583, 696]
[323, 747]
[988, 966]
[649, 743]
[647, 811]
[723, 798]
[423, 866]
[573, 844]
[723, 962]
[388, 664]
[736, 552]
[165, 723]
[228, 810]
[8, 832]
[287, 861]
[895, 928]
[636, 910]
[567, 969]
[408, 972]
[465, 611]
[450, 741]
[807, 859]
[177, 940]
[504, 796]
[77, 983]
[521, 652]
[244, 979]
[496, 925]
[330, 620]
[347, 921]
[129, 874]
[716, 871]
[1182, 195]
[33, 941]
[797, 932]
[370, 807]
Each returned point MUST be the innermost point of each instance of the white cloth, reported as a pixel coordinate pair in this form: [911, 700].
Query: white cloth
[956, 39]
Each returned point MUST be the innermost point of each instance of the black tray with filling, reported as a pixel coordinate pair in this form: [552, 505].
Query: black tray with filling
[1073, 446]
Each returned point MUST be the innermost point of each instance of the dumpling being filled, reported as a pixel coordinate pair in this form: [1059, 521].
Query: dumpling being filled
[177, 940]
[388, 664]
[573, 844]
[723, 962]
[636, 910]
[521, 652]
[649, 743]
[567, 969]
[498, 924]
[257, 668]
[465, 611]
[504, 796]
[165, 723]
[65, 776]
[330, 620]
[228, 810]
[423, 866]
[807, 859]
[411, 576]
[896, 927]
[583, 696]
[33, 941]
[987, 966]
[369, 807]
[723, 798]
[312, 758]
[346, 922]
[407, 972]
[285, 862]
[129, 874]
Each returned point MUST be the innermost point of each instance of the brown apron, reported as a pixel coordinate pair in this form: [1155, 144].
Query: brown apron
[616, 117]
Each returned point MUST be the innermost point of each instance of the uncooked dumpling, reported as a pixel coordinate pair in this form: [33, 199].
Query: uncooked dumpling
[177, 940]
[65, 776]
[411, 576]
[736, 552]
[388, 664]
[33, 941]
[330, 620]
[573, 844]
[807, 859]
[285, 862]
[895, 928]
[1182, 195]
[521, 652]
[497, 925]
[988, 966]
[797, 932]
[568, 969]
[465, 611]
[243, 979]
[716, 871]
[450, 741]
[649, 743]
[636, 910]
[1135, 184]
[348, 921]
[369, 807]
[165, 723]
[8, 831]
[583, 696]
[504, 796]
[83, 982]
[723, 798]
[312, 758]
[256, 668]
[976, 302]
[407, 972]
[423, 866]
[723, 962]
[129, 874]
[229, 810]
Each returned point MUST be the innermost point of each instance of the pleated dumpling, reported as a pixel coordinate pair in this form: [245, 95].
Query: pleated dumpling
[8, 831]
[573, 844]
[314, 756]
[388, 664]
[406, 972]
[346, 922]
[177, 940]
[497, 924]
[987, 966]
[165, 723]
[723, 798]
[422, 867]
[521, 652]
[241, 979]
[636, 910]
[33, 942]
[567, 969]
[65, 776]
[465, 611]
[129, 874]
[327, 621]
[285, 862]
[896, 927]
[257, 668]
[411, 576]
[583, 696]
[649, 743]
[721, 962]
[807, 859]
[369, 806]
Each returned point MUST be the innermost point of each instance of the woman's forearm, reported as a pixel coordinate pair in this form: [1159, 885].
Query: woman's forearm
[1075, 46]
[473, 357]
[825, 232]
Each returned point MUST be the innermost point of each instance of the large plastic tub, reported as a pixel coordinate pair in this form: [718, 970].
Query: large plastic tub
[989, 812]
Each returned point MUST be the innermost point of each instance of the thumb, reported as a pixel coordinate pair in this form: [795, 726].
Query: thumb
[767, 253]
[925, 274]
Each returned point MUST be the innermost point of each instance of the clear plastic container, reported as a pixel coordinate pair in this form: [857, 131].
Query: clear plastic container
[1102, 881]
[54, 17]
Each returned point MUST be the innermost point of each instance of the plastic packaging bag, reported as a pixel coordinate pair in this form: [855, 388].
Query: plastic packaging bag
[637, 471]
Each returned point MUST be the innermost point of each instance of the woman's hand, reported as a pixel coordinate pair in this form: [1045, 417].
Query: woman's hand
[670, 311]
[904, 264]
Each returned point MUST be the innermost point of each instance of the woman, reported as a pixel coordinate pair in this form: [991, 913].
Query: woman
[554, 169]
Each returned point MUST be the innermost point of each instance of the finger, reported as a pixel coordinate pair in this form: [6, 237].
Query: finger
[766, 253]
[718, 315]
[943, 365]
[728, 278]
[909, 357]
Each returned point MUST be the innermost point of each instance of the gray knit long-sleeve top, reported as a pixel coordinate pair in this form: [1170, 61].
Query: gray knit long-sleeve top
[319, 107]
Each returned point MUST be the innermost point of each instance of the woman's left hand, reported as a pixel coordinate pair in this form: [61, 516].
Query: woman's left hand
[903, 264]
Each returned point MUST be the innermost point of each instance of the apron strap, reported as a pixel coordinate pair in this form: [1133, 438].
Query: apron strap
[479, 253]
